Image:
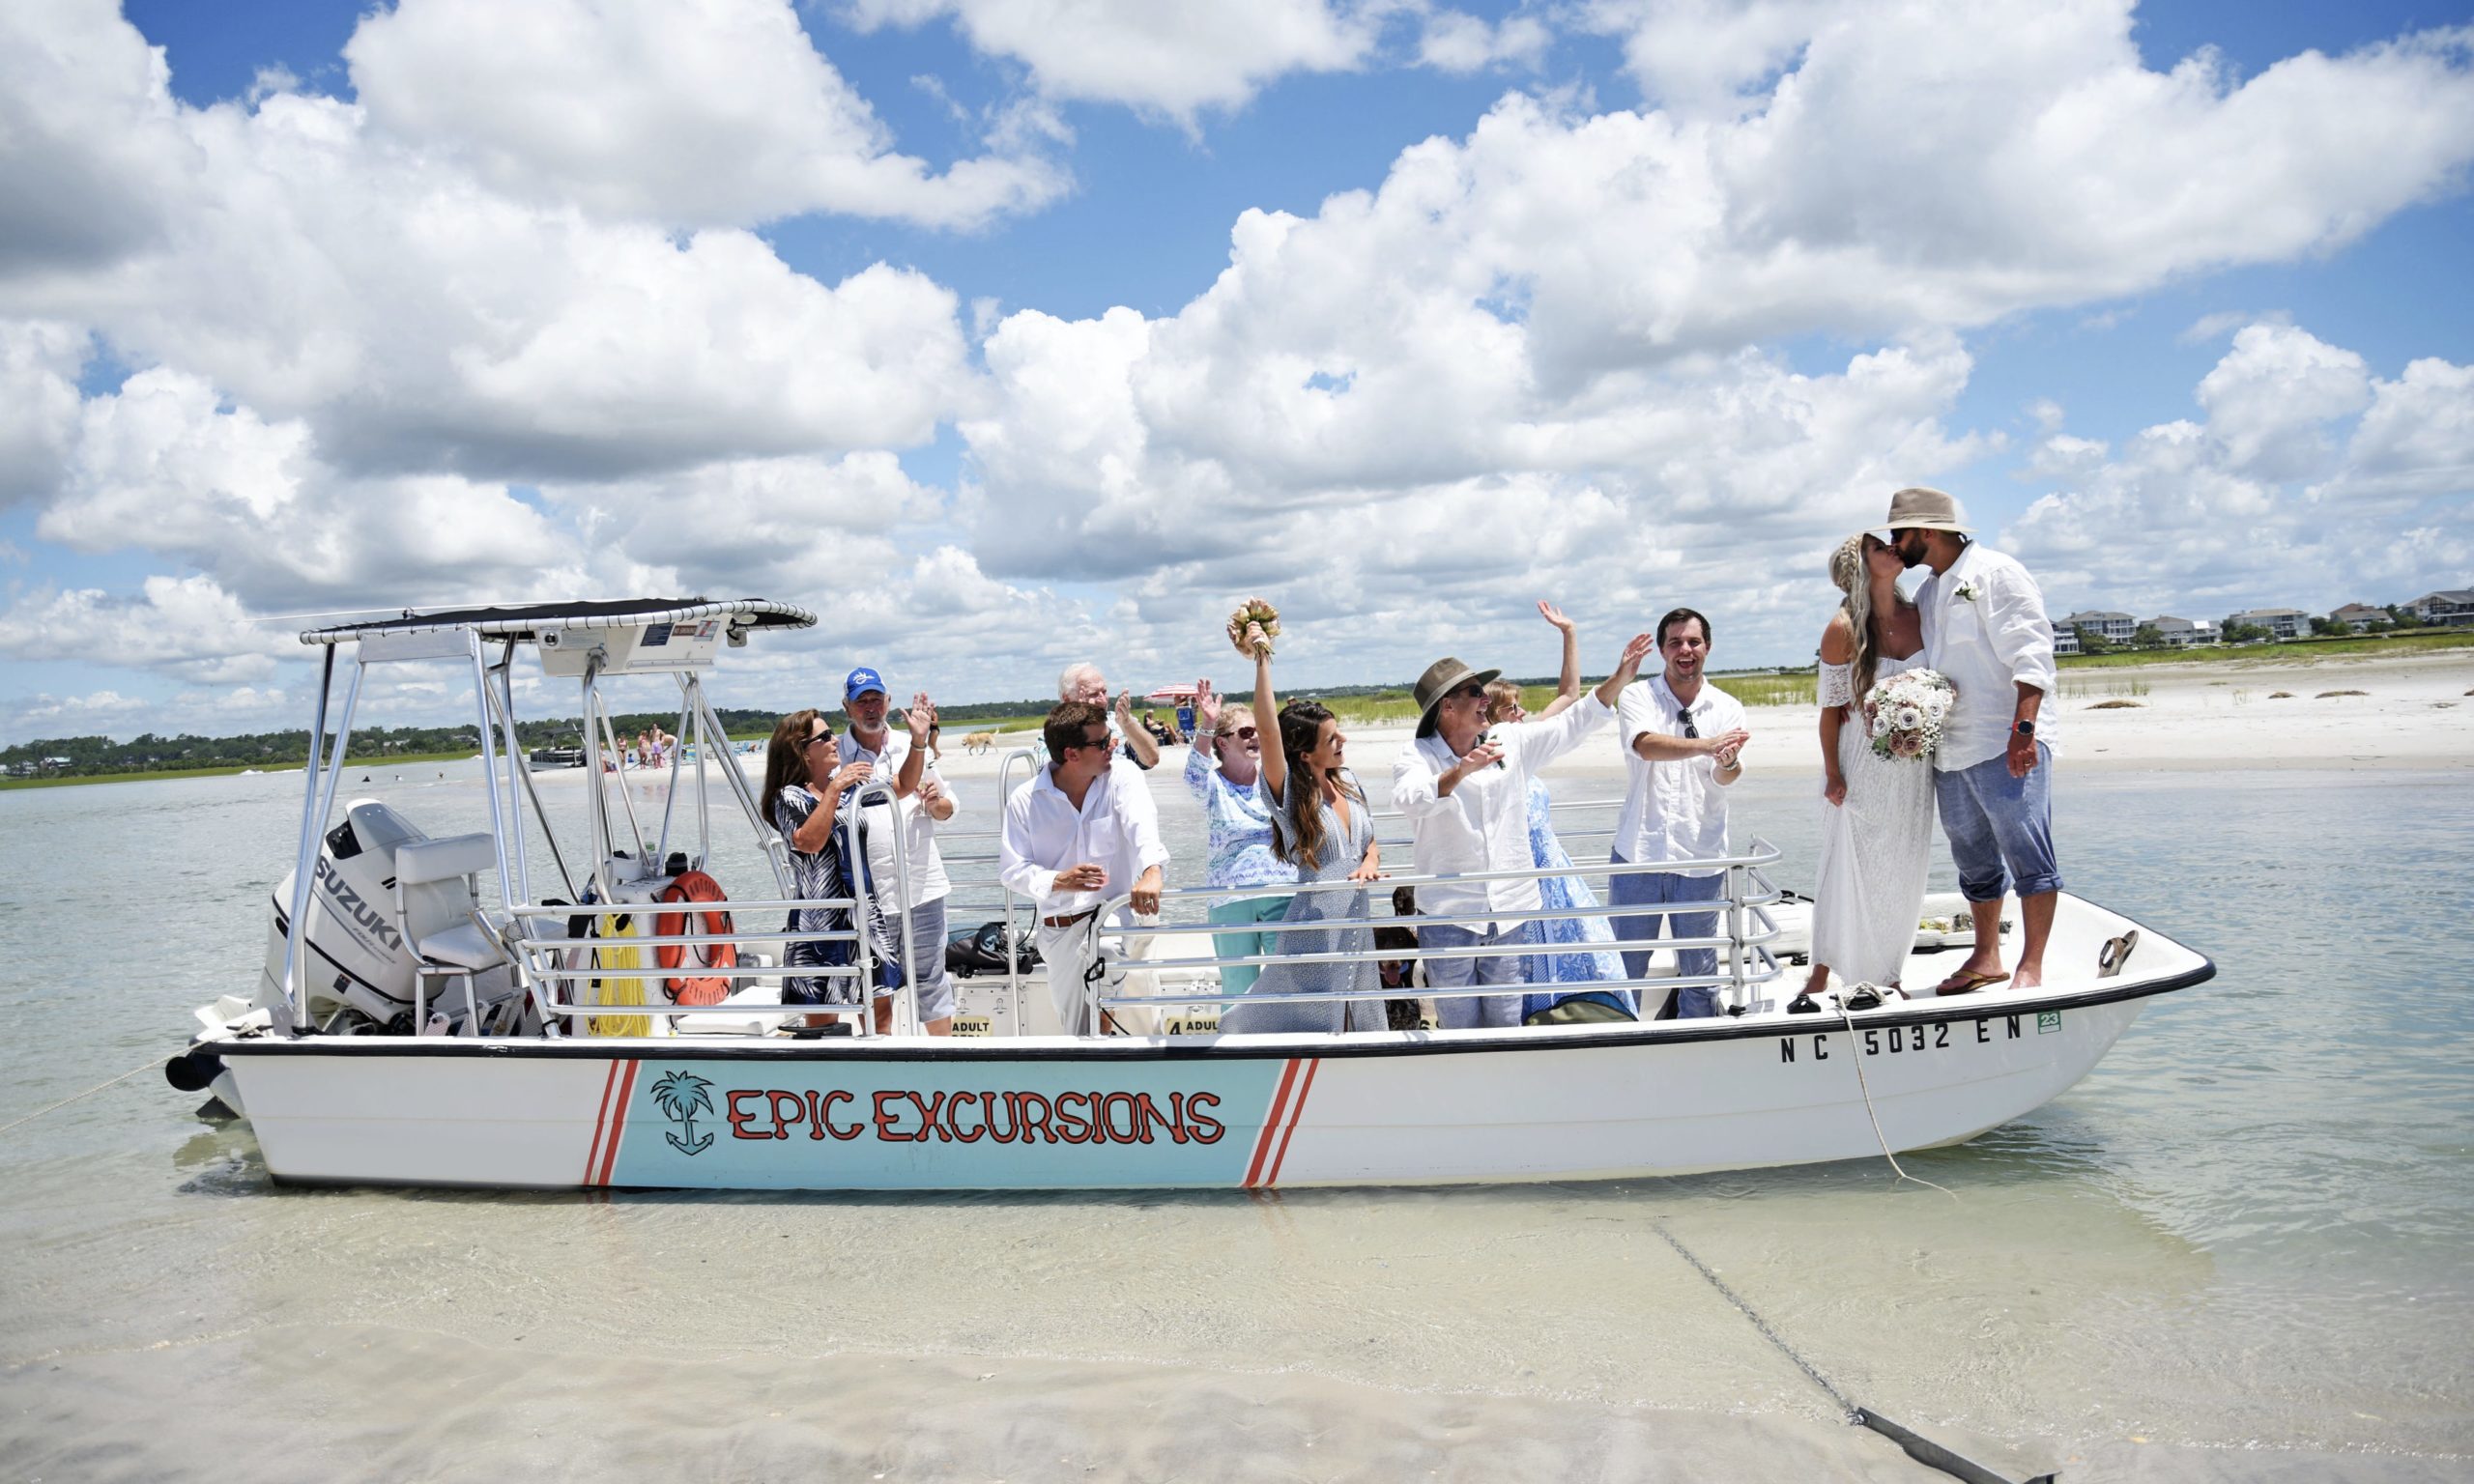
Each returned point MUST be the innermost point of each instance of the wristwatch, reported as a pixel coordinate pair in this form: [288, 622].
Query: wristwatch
[2024, 726]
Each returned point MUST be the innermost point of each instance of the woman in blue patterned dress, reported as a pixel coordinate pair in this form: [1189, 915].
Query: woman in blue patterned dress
[1576, 957]
[1222, 769]
[1321, 825]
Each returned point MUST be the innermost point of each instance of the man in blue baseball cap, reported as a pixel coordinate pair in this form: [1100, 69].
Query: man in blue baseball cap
[920, 800]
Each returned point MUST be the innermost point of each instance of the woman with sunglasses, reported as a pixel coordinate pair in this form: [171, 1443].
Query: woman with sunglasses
[1320, 826]
[1221, 770]
[802, 795]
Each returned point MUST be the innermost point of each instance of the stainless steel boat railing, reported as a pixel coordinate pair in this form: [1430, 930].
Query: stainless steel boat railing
[1743, 902]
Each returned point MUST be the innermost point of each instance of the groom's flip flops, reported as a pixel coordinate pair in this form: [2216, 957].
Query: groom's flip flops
[1968, 981]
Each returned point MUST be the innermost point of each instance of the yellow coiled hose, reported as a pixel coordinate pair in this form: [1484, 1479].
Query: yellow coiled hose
[616, 950]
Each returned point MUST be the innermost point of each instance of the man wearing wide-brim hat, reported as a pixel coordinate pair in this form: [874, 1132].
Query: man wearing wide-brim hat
[1465, 790]
[1985, 629]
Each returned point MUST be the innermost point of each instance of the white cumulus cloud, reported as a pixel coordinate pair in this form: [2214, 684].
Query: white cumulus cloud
[695, 112]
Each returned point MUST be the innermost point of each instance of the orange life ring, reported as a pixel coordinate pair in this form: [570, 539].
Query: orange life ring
[694, 989]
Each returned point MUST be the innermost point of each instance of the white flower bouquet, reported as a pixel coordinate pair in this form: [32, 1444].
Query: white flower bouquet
[1251, 611]
[1907, 711]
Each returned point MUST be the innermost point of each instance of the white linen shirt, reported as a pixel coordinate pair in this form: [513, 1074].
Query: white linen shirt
[1117, 828]
[1989, 641]
[1484, 823]
[928, 879]
[1673, 809]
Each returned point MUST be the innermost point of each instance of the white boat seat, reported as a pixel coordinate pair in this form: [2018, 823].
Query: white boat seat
[422, 862]
[434, 892]
[463, 946]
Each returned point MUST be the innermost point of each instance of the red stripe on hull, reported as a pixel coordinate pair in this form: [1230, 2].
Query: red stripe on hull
[1295, 1111]
[618, 1124]
[1271, 1124]
[600, 1120]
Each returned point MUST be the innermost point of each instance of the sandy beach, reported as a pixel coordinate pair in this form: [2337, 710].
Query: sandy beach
[2409, 712]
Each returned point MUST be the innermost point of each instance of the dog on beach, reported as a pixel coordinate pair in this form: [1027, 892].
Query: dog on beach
[979, 742]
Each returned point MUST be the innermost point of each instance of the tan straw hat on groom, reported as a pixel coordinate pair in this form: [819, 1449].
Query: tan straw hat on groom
[1919, 508]
[1443, 677]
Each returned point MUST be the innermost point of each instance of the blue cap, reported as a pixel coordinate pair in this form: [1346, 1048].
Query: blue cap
[861, 681]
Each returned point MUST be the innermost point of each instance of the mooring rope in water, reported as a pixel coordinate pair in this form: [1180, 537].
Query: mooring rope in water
[1924, 1450]
[88, 1093]
[1847, 1408]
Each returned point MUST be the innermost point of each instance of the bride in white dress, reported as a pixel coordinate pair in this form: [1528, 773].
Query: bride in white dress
[1877, 818]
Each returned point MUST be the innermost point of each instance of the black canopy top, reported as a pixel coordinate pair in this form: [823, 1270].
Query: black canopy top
[527, 620]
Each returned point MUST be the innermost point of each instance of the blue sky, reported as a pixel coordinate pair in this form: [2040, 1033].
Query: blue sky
[879, 335]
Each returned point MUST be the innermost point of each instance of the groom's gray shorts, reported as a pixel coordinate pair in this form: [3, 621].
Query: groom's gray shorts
[2000, 827]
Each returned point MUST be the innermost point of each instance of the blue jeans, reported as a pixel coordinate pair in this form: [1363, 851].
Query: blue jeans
[1238, 977]
[1656, 888]
[1468, 1012]
[2001, 828]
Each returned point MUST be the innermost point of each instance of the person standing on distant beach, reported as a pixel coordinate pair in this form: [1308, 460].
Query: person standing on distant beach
[1986, 631]
[1684, 741]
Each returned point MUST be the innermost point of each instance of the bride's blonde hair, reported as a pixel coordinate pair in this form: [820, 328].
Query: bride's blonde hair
[1847, 568]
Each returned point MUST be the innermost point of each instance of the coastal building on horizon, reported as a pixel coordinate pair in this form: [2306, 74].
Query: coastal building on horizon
[2358, 616]
[2455, 606]
[2280, 622]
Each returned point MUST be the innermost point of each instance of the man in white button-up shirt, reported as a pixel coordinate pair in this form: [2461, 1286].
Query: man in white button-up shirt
[1683, 742]
[1986, 630]
[1082, 829]
[1466, 792]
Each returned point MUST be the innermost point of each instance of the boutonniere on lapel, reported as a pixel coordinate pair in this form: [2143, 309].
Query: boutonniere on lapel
[1965, 593]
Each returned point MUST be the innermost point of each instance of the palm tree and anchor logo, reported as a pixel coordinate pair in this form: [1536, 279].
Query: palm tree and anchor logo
[681, 1096]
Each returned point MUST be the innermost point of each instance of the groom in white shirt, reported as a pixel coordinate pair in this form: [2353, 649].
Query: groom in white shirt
[1986, 630]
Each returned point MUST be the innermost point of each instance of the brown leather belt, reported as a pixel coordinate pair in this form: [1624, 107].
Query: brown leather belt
[1068, 921]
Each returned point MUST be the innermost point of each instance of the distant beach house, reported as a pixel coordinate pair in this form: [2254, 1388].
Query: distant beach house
[2182, 632]
[2455, 606]
[2065, 639]
[2110, 627]
[2280, 622]
[2359, 616]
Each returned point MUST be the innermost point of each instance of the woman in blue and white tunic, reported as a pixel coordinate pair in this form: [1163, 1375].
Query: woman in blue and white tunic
[1320, 825]
[1221, 770]
[802, 802]
[1576, 957]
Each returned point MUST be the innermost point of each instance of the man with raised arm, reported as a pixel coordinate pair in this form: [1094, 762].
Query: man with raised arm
[1084, 682]
[921, 801]
[1684, 741]
[1985, 628]
[1080, 831]
[1465, 790]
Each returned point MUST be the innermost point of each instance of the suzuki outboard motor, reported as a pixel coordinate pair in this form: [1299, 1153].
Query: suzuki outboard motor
[356, 955]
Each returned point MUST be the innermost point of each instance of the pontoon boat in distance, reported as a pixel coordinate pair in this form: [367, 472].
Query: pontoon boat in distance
[412, 1026]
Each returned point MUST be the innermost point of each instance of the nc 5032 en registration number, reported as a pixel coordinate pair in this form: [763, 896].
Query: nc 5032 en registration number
[1939, 1035]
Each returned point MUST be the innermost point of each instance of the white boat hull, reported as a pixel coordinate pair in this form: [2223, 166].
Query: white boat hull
[1668, 1098]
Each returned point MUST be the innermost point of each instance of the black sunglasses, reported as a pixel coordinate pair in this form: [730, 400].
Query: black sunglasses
[1473, 691]
[1690, 731]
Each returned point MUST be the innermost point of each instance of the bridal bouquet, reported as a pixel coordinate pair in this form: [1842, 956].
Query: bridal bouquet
[1254, 610]
[1908, 710]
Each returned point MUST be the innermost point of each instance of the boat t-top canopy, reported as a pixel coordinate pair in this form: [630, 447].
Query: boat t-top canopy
[527, 621]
